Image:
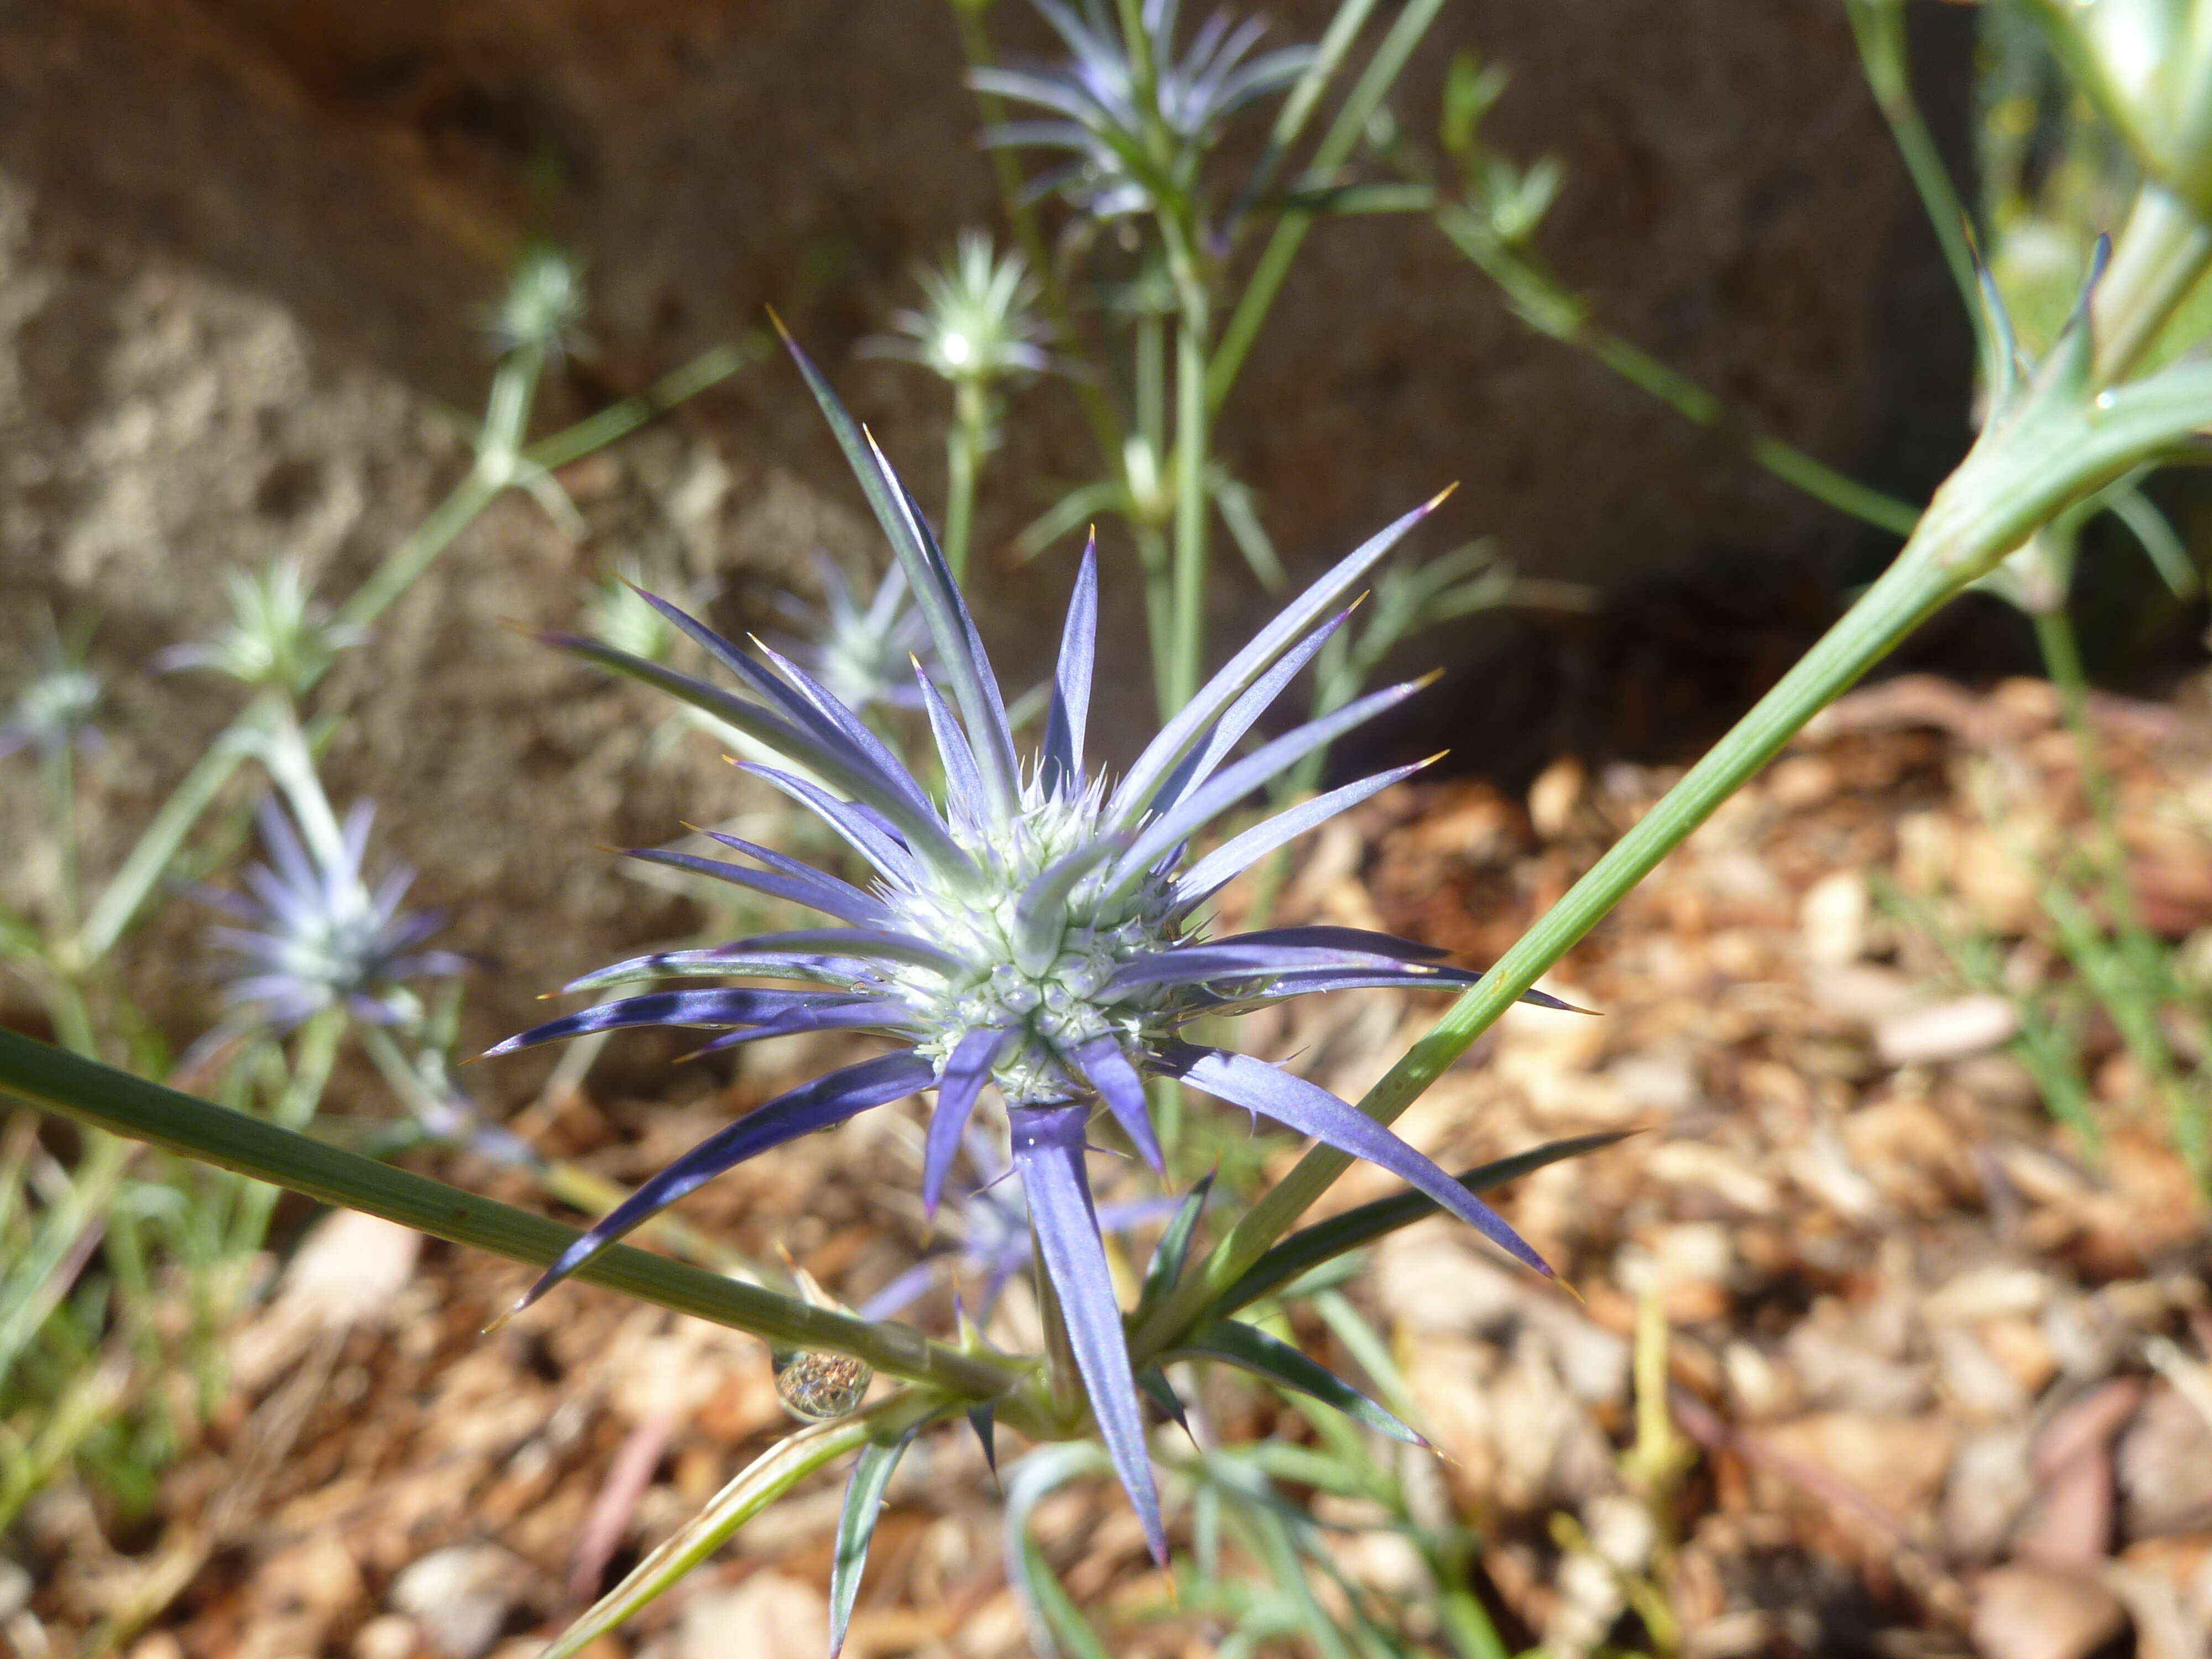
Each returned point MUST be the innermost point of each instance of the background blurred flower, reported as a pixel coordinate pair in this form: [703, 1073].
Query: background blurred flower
[1108, 109]
[979, 322]
[863, 655]
[55, 704]
[278, 637]
[314, 934]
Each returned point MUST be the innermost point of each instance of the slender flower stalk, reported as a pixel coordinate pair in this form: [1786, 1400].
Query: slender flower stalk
[1034, 930]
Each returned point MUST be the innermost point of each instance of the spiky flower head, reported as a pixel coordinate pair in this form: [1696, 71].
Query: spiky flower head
[56, 701]
[278, 637]
[314, 933]
[979, 324]
[863, 655]
[1034, 929]
[1103, 108]
[544, 306]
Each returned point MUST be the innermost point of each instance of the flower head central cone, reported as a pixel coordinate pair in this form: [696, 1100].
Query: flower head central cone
[1029, 927]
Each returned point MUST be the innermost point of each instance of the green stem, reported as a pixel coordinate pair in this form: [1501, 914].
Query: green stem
[421, 548]
[1187, 660]
[964, 444]
[618, 420]
[292, 765]
[1333, 152]
[1542, 305]
[1063, 1376]
[296, 1106]
[2055, 448]
[2130, 981]
[1879, 26]
[135, 878]
[1891, 608]
[1159, 611]
[43, 1076]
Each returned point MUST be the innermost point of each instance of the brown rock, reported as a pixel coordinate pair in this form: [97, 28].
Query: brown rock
[2070, 1523]
[2164, 1463]
[2027, 1613]
[1898, 1462]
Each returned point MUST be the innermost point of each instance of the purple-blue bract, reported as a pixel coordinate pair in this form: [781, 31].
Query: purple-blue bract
[1034, 930]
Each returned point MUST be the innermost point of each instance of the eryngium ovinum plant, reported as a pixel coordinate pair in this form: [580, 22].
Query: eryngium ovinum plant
[1039, 929]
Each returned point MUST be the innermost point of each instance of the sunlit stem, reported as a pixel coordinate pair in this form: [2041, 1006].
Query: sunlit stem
[1335, 149]
[618, 420]
[1187, 657]
[293, 768]
[105, 1098]
[569, 1183]
[965, 444]
[501, 460]
[2058, 447]
[315, 1052]
[421, 548]
[1159, 610]
[157, 846]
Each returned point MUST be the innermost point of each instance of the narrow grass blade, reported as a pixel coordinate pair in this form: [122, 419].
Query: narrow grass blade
[864, 1501]
[774, 1472]
[1173, 1247]
[1250, 1349]
[1308, 1248]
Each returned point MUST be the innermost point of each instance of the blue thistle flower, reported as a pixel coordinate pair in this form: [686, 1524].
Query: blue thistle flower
[863, 655]
[1095, 93]
[315, 934]
[56, 702]
[1035, 930]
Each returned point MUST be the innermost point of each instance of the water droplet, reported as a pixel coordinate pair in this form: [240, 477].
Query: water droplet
[2104, 400]
[820, 1387]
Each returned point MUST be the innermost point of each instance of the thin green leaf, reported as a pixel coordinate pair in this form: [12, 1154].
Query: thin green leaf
[765, 1479]
[1239, 508]
[1173, 1246]
[1161, 1392]
[1312, 1246]
[1053, 1617]
[1070, 514]
[1251, 1349]
[864, 1501]
[2160, 545]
